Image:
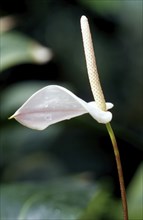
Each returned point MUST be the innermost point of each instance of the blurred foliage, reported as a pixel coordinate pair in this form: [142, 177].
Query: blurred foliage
[17, 48]
[67, 199]
[62, 199]
[135, 197]
[109, 6]
[36, 167]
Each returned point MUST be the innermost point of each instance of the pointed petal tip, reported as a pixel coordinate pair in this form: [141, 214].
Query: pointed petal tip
[11, 117]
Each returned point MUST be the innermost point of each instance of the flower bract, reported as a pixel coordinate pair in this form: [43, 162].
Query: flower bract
[53, 104]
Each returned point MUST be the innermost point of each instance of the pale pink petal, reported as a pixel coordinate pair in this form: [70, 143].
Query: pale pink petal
[54, 103]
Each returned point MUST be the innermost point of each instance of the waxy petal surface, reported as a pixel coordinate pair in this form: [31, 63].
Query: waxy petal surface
[53, 104]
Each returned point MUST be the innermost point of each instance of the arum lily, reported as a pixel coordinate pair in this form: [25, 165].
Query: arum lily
[55, 103]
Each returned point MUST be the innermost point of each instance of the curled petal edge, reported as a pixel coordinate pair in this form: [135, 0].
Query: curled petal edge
[92, 108]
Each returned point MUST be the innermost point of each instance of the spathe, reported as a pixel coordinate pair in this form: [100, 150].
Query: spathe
[53, 104]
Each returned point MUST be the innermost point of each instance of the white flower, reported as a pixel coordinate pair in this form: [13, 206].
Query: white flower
[53, 104]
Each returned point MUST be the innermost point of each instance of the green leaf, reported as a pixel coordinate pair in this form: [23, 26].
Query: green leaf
[60, 200]
[17, 48]
[134, 199]
[96, 208]
[135, 195]
[103, 6]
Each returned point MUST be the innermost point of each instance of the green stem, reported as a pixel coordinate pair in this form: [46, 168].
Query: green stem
[120, 172]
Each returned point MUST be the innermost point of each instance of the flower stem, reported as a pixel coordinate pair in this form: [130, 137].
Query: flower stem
[120, 171]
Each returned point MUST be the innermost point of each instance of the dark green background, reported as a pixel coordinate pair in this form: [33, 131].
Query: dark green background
[80, 146]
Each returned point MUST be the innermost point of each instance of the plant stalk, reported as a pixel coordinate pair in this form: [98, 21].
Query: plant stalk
[120, 171]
